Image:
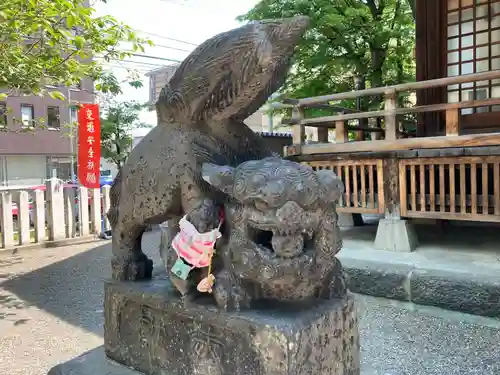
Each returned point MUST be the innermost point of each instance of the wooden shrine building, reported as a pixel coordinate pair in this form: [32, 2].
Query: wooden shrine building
[448, 166]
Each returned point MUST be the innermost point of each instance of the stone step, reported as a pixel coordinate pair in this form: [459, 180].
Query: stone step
[468, 288]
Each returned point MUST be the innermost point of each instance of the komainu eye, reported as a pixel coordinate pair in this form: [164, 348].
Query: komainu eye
[261, 206]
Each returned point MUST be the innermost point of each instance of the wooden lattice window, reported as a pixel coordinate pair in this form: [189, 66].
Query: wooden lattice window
[473, 47]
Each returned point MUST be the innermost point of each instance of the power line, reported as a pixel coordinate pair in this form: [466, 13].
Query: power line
[139, 69]
[137, 62]
[143, 62]
[155, 57]
[167, 38]
[169, 47]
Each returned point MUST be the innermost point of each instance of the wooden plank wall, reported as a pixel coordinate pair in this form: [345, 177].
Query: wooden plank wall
[431, 61]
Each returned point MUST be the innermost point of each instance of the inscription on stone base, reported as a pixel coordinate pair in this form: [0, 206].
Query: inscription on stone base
[148, 329]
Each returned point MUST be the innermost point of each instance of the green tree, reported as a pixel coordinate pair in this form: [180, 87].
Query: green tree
[413, 6]
[369, 39]
[55, 42]
[117, 121]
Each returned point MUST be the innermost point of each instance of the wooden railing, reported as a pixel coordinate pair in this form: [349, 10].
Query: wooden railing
[415, 177]
[51, 214]
[465, 188]
[391, 130]
[362, 180]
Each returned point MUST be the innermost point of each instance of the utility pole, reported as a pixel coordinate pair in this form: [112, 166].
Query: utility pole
[71, 140]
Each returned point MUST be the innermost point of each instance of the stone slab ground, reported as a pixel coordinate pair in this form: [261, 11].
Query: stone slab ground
[51, 310]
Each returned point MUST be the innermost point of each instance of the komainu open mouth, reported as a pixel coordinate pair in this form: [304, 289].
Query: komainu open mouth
[282, 243]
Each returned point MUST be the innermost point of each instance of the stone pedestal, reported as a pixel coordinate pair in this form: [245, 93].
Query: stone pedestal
[148, 329]
[395, 235]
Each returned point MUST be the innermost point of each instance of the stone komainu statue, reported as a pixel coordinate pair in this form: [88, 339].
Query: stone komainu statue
[200, 119]
[280, 236]
[275, 241]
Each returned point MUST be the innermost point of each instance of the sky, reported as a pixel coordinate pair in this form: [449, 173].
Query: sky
[191, 21]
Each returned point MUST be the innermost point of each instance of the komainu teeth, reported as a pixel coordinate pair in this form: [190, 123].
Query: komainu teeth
[307, 233]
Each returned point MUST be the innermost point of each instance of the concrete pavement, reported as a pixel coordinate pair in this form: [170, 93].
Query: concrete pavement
[51, 306]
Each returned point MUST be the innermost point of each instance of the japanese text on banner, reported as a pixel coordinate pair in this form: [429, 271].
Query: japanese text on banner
[89, 145]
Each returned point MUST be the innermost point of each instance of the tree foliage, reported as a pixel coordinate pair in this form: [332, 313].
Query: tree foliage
[55, 42]
[117, 121]
[369, 39]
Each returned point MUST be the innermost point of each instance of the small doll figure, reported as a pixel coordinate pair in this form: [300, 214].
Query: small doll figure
[195, 250]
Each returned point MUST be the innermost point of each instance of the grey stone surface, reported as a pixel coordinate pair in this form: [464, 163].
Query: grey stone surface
[148, 329]
[467, 292]
[378, 279]
[161, 179]
[93, 362]
[395, 235]
[478, 294]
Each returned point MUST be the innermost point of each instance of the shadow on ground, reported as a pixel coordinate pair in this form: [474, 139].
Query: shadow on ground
[455, 237]
[70, 289]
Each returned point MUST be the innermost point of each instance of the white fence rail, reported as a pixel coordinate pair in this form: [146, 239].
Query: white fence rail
[55, 213]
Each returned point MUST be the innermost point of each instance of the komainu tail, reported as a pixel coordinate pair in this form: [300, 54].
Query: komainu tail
[114, 198]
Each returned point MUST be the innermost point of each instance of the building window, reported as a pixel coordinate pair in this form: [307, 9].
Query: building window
[73, 115]
[53, 121]
[473, 47]
[3, 115]
[27, 115]
[58, 167]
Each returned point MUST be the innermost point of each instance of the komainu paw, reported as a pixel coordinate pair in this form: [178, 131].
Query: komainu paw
[137, 269]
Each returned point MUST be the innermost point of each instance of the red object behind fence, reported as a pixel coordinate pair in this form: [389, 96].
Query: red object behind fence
[89, 146]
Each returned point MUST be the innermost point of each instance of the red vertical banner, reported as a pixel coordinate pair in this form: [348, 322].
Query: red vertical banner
[89, 146]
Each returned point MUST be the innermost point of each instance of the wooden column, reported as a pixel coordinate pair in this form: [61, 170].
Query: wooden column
[391, 187]
[298, 130]
[323, 135]
[391, 126]
[393, 233]
[452, 122]
[431, 54]
[341, 132]
[359, 135]
[374, 136]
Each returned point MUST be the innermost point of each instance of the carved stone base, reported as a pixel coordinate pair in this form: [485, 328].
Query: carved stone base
[147, 328]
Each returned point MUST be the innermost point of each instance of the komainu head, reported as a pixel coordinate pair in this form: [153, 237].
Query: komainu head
[283, 232]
